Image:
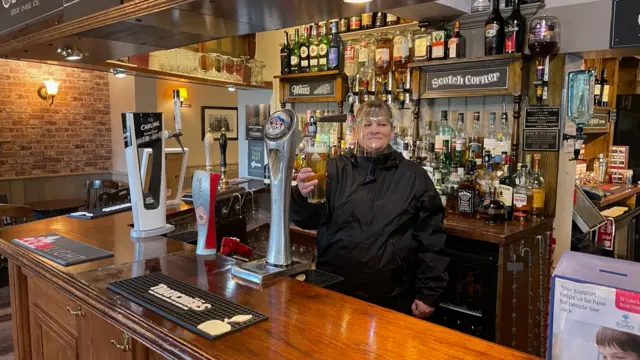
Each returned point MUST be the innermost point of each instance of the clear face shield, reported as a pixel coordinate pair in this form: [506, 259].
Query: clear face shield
[373, 135]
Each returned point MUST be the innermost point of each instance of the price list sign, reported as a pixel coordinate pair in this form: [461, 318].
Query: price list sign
[542, 129]
[255, 162]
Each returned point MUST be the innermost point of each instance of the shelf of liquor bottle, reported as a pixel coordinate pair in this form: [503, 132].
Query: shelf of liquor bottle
[354, 35]
[467, 60]
[309, 74]
[504, 233]
[166, 75]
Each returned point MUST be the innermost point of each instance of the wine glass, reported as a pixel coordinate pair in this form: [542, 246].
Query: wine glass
[237, 70]
[246, 69]
[213, 72]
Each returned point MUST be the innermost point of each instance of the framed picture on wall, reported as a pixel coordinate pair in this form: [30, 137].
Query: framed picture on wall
[218, 118]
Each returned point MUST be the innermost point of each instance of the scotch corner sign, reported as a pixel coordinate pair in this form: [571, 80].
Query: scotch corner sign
[471, 79]
[15, 13]
[311, 89]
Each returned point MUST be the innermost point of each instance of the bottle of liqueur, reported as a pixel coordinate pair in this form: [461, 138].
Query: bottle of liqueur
[494, 32]
[506, 188]
[460, 141]
[367, 21]
[295, 54]
[490, 137]
[422, 42]
[514, 30]
[476, 140]
[503, 138]
[468, 193]
[343, 25]
[392, 20]
[381, 19]
[285, 56]
[493, 208]
[440, 40]
[430, 161]
[536, 186]
[355, 23]
[457, 43]
[384, 48]
[400, 52]
[604, 97]
[445, 132]
[314, 44]
[304, 51]
[333, 56]
[323, 47]
[351, 58]
[521, 195]
[597, 90]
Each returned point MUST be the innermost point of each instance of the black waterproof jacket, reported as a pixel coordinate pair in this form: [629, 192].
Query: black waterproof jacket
[381, 229]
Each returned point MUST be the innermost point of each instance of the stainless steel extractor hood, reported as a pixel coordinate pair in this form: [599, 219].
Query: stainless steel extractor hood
[203, 20]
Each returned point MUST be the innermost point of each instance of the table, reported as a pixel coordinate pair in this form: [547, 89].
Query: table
[50, 208]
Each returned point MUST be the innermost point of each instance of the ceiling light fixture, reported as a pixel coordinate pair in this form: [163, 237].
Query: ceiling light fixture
[71, 53]
[119, 73]
[231, 88]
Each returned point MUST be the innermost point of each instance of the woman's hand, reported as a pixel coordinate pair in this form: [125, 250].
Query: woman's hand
[306, 181]
[421, 310]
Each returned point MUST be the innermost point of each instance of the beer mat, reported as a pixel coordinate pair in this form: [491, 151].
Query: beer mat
[202, 312]
[86, 214]
[318, 278]
[61, 249]
[185, 236]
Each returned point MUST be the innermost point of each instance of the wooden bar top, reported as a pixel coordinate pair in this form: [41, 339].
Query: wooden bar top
[478, 229]
[305, 321]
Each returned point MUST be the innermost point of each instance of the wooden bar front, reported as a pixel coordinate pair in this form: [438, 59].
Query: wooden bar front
[69, 312]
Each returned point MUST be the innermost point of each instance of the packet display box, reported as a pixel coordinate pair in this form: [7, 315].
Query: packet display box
[594, 309]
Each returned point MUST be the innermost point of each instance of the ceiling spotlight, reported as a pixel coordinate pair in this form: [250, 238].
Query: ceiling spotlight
[231, 88]
[119, 73]
[357, 1]
[71, 53]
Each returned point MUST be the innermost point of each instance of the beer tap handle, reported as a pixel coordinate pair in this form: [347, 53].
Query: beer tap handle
[177, 117]
[223, 149]
[209, 140]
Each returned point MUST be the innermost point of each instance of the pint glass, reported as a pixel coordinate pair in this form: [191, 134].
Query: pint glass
[317, 153]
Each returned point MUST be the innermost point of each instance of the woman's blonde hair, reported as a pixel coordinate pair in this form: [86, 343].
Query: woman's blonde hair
[373, 109]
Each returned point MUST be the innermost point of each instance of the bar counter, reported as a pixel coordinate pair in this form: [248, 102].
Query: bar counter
[69, 311]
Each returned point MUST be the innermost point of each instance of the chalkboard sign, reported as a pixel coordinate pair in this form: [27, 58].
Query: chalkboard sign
[542, 118]
[598, 121]
[255, 163]
[470, 79]
[311, 89]
[625, 23]
[15, 13]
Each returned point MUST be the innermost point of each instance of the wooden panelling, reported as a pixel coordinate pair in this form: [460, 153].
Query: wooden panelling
[48, 339]
[549, 160]
[19, 291]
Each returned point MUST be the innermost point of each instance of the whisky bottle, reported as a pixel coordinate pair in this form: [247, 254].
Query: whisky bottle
[505, 189]
[493, 208]
[468, 193]
[445, 132]
[597, 89]
[604, 97]
[457, 43]
[521, 195]
[422, 42]
[475, 141]
[536, 184]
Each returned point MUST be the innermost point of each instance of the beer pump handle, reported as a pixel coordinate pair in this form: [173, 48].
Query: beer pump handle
[177, 104]
[209, 140]
[223, 149]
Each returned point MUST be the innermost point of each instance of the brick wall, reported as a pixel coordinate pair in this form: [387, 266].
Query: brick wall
[73, 136]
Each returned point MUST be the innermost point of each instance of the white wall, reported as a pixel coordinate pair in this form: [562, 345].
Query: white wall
[122, 98]
[555, 3]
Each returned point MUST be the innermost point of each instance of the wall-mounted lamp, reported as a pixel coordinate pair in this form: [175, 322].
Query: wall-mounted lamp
[231, 88]
[184, 95]
[71, 53]
[48, 91]
[119, 73]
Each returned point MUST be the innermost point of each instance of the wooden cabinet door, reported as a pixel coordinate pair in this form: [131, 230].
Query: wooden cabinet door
[49, 339]
[94, 339]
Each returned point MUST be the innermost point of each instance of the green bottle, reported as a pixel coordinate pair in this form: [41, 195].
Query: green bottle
[323, 47]
[313, 49]
[295, 54]
[304, 50]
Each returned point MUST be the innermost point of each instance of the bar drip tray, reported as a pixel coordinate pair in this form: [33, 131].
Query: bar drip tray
[319, 278]
[261, 272]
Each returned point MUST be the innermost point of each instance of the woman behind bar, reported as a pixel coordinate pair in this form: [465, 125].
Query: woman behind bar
[381, 226]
